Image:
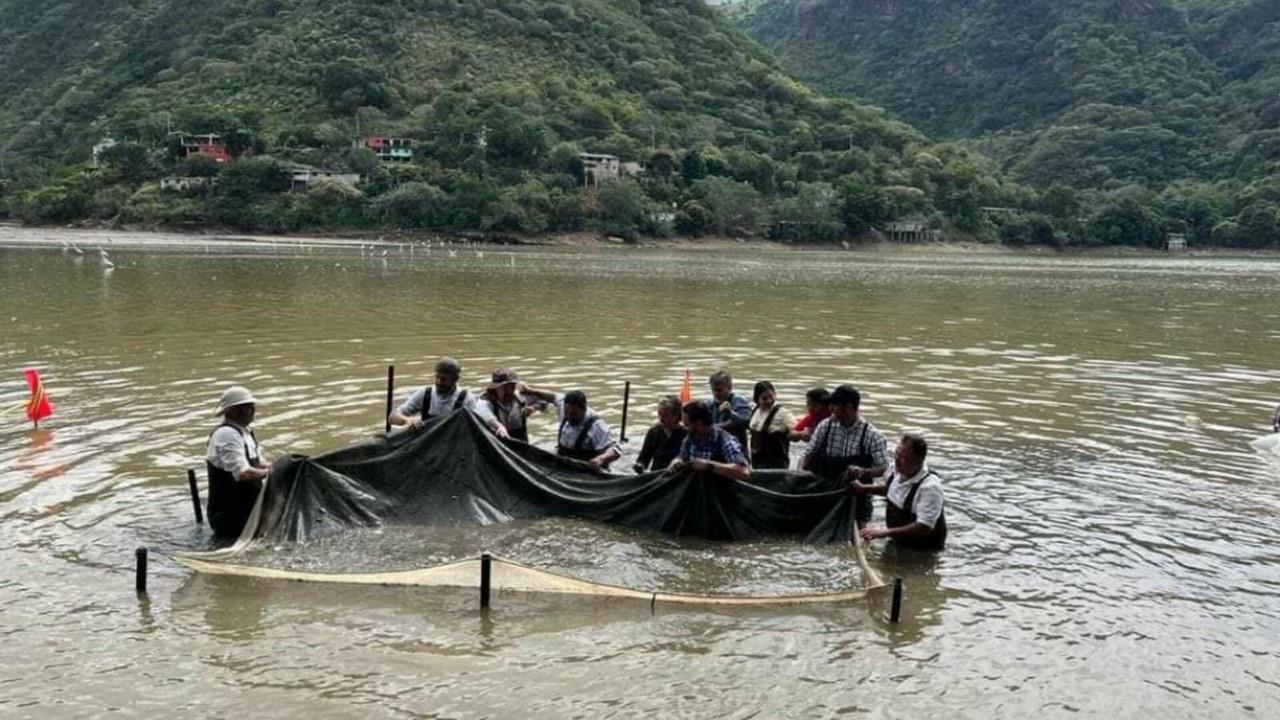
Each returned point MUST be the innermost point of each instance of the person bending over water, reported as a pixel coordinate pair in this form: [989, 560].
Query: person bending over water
[233, 461]
[662, 442]
[769, 429]
[915, 516]
[708, 448]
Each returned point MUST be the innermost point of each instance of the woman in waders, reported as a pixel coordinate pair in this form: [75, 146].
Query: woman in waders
[234, 465]
[769, 430]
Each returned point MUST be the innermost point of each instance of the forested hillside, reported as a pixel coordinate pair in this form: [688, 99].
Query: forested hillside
[497, 97]
[1167, 109]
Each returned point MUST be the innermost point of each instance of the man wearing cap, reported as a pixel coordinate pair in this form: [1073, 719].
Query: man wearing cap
[442, 398]
[845, 447]
[504, 402]
[234, 464]
[583, 435]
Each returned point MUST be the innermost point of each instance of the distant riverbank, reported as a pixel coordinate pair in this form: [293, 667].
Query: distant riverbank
[16, 234]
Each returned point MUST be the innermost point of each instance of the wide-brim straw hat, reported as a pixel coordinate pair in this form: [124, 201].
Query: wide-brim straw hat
[233, 396]
[503, 377]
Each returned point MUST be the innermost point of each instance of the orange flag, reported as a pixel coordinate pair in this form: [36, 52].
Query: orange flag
[686, 389]
[38, 406]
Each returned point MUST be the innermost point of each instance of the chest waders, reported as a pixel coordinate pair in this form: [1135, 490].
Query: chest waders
[580, 449]
[833, 467]
[513, 420]
[770, 449]
[230, 500]
[895, 517]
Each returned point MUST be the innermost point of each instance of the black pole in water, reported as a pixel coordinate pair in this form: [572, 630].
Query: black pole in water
[391, 388]
[486, 570]
[140, 571]
[195, 496]
[895, 611]
[626, 401]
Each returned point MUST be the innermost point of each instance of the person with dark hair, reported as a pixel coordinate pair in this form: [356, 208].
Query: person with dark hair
[915, 516]
[845, 447]
[729, 411]
[769, 429]
[818, 404]
[708, 448]
[583, 434]
[1275, 420]
[441, 398]
[233, 461]
[662, 442]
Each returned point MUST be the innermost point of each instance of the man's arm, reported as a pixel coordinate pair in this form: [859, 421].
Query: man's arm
[228, 449]
[873, 489]
[729, 470]
[543, 395]
[410, 411]
[879, 449]
[482, 411]
[249, 474]
[606, 457]
[739, 413]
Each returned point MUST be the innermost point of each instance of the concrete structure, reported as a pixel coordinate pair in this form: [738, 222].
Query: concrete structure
[209, 145]
[908, 231]
[105, 144]
[389, 149]
[185, 184]
[1175, 242]
[598, 168]
[631, 169]
[301, 175]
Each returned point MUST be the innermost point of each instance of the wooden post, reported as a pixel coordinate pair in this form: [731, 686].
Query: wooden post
[626, 401]
[895, 610]
[195, 496]
[486, 571]
[391, 388]
[140, 570]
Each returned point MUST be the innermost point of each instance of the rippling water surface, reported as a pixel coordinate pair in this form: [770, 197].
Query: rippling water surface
[1113, 545]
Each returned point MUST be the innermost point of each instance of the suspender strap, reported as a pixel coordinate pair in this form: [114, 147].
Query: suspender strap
[582, 436]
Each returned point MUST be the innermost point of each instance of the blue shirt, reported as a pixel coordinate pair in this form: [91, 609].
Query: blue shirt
[740, 415]
[719, 446]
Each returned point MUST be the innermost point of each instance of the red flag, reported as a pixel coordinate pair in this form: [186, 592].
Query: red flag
[686, 390]
[38, 407]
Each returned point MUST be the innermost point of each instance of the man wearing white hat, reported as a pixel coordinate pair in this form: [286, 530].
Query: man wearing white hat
[233, 461]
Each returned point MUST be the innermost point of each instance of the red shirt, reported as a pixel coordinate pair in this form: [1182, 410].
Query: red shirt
[809, 421]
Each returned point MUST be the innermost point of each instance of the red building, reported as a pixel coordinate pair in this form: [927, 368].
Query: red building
[210, 146]
[394, 149]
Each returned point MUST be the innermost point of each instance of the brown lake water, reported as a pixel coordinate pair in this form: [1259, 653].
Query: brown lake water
[1113, 543]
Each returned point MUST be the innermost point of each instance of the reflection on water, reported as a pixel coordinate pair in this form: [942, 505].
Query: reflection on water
[1112, 532]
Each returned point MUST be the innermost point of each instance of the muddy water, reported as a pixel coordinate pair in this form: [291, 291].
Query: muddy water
[1112, 546]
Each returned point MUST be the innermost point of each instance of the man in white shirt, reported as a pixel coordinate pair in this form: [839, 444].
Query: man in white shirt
[234, 464]
[442, 398]
[583, 435]
[914, 513]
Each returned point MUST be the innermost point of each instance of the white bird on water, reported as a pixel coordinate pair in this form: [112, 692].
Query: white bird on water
[453, 253]
[77, 249]
[106, 260]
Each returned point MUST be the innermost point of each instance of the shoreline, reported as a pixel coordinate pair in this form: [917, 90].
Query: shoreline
[14, 234]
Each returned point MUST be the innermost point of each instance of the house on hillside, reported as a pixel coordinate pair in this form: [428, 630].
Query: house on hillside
[389, 149]
[908, 231]
[208, 145]
[1175, 242]
[104, 144]
[302, 175]
[186, 184]
[598, 168]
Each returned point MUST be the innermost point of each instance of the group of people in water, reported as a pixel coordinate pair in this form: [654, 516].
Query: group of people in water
[725, 436]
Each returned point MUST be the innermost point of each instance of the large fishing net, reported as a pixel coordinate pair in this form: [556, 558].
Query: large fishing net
[418, 508]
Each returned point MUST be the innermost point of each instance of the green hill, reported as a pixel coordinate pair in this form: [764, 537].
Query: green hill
[498, 98]
[1167, 106]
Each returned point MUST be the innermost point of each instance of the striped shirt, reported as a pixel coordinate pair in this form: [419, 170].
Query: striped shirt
[833, 439]
[719, 446]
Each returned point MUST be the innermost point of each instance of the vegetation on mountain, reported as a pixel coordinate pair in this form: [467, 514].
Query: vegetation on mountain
[498, 97]
[1156, 115]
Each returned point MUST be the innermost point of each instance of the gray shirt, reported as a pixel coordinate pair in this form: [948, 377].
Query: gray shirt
[443, 404]
[599, 437]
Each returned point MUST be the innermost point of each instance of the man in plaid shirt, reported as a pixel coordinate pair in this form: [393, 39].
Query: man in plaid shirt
[847, 447]
[708, 448]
